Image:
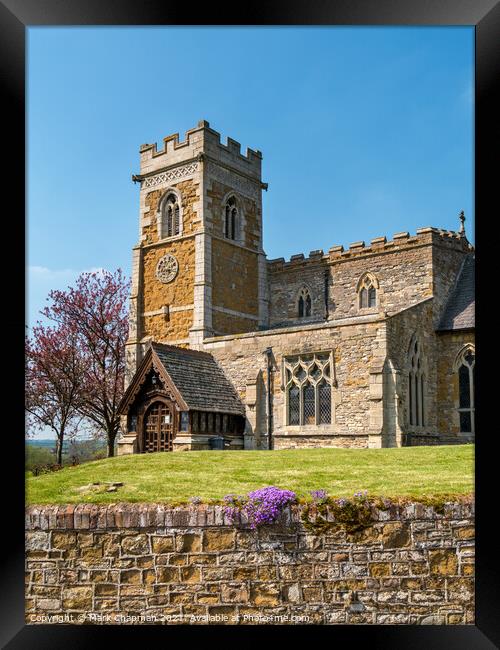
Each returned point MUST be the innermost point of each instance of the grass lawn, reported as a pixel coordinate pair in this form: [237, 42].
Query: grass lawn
[174, 477]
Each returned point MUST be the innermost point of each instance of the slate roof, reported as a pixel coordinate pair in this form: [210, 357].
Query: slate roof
[201, 382]
[459, 312]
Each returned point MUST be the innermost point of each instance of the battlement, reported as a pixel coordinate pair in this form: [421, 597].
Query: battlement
[202, 140]
[400, 240]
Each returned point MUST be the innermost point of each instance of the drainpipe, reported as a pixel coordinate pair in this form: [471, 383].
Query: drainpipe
[269, 355]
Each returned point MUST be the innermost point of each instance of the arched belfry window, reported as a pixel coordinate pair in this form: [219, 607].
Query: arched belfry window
[304, 303]
[465, 363]
[308, 382]
[170, 215]
[416, 385]
[231, 219]
[367, 291]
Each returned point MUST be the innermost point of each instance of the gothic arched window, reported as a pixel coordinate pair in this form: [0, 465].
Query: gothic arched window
[308, 386]
[465, 364]
[170, 216]
[231, 219]
[416, 385]
[367, 291]
[304, 303]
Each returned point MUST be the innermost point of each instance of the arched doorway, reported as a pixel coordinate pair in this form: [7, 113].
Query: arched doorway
[158, 427]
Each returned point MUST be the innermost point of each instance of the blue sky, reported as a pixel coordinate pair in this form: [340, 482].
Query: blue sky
[364, 132]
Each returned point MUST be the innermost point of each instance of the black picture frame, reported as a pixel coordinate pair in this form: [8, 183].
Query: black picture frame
[15, 17]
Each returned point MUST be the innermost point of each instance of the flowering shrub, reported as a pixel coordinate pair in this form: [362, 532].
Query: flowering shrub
[261, 506]
[319, 496]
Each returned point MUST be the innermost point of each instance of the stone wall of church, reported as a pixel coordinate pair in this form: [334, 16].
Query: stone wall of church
[249, 227]
[234, 288]
[408, 270]
[234, 264]
[355, 346]
[415, 321]
[171, 324]
[285, 282]
[449, 345]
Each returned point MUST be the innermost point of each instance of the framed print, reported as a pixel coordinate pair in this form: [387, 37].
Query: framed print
[318, 373]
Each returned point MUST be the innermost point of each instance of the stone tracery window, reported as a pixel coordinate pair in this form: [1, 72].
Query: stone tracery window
[170, 216]
[367, 291]
[231, 219]
[465, 368]
[416, 385]
[308, 389]
[304, 303]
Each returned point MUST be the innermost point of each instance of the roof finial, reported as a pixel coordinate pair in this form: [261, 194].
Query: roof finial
[462, 222]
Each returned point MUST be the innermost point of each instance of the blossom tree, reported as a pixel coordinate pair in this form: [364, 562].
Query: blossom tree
[95, 313]
[54, 376]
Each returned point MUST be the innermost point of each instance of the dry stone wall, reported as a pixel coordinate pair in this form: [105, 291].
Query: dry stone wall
[134, 563]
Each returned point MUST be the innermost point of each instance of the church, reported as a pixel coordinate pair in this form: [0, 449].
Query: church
[368, 346]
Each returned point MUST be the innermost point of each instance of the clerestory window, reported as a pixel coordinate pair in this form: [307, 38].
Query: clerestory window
[304, 303]
[367, 291]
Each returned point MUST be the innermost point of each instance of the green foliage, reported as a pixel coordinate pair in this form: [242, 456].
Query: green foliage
[41, 459]
[411, 472]
[353, 515]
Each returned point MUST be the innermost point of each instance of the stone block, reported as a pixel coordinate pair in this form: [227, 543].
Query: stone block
[77, 598]
[37, 540]
[104, 589]
[63, 539]
[267, 594]
[443, 562]
[218, 540]
[162, 544]
[188, 542]
[135, 545]
[379, 569]
[167, 574]
[131, 576]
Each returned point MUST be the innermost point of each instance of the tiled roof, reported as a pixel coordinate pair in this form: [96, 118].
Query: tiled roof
[201, 382]
[459, 312]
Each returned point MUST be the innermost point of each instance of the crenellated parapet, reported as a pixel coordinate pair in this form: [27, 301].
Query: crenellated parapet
[400, 241]
[200, 143]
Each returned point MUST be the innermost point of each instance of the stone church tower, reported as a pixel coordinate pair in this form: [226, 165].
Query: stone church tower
[199, 269]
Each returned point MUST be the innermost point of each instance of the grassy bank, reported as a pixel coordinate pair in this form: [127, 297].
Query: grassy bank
[175, 477]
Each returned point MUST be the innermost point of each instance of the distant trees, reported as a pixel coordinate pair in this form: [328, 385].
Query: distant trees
[91, 327]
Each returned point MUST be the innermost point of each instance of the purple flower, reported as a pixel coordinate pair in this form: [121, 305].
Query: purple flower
[319, 495]
[262, 506]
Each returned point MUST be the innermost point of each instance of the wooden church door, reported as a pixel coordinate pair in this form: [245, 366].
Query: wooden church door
[158, 427]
